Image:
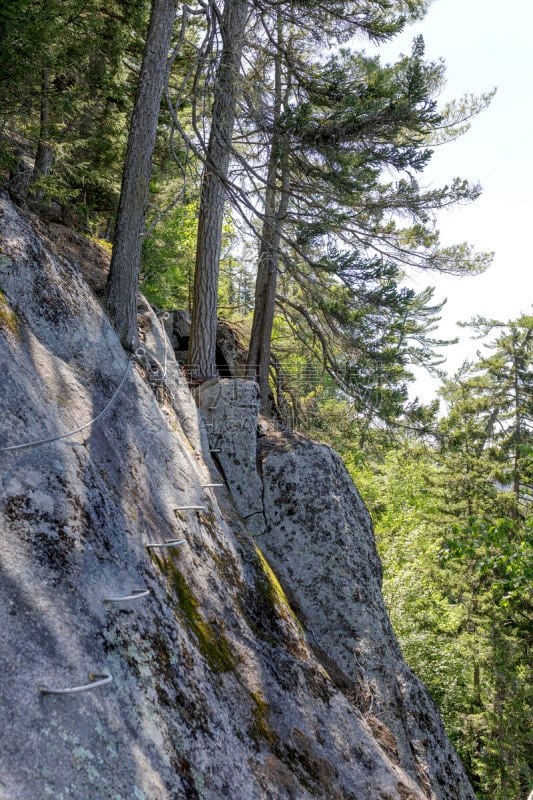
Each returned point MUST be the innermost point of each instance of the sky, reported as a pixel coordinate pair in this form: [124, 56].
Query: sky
[485, 44]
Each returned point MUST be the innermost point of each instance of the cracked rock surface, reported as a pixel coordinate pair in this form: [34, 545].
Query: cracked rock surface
[230, 409]
[215, 691]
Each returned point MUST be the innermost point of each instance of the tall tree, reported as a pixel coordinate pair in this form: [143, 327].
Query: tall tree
[492, 410]
[326, 23]
[346, 122]
[276, 204]
[503, 378]
[202, 345]
[65, 95]
[487, 465]
[44, 155]
[364, 343]
[123, 280]
[457, 558]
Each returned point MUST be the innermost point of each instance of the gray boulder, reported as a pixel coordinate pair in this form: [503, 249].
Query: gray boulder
[320, 542]
[230, 411]
[230, 356]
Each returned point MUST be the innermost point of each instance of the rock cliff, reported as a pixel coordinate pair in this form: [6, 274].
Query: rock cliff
[212, 686]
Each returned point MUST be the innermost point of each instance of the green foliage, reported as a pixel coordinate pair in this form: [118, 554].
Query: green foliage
[65, 58]
[167, 264]
[236, 287]
[489, 428]
[355, 344]
[168, 259]
[211, 642]
[457, 548]
[357, 121]
[420, 595]
[500, 552]
[355, 135]
[459, 601]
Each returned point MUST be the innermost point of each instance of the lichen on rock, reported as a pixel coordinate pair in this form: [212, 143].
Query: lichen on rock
[216, 692]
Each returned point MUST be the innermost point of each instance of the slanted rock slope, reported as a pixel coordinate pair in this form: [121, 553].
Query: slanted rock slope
[215, 691]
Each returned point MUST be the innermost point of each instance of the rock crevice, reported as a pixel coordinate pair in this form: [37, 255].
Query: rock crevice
[318, 538]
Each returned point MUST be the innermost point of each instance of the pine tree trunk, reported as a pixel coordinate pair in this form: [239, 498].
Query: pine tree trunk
[44, 155]
[202, 345]
[265, 296]
[517, 435]
[123, 281]
[498, 704]
[276, 203]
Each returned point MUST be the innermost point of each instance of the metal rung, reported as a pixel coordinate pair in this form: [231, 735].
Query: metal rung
[215, 450]
[170, 543]
[96, 679]
[135, 595]
[186, 508]
[212, 485]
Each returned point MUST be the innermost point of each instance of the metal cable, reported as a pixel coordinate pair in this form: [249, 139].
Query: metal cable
[39, 442]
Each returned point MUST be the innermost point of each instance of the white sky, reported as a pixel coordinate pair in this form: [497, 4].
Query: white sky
[485, 44]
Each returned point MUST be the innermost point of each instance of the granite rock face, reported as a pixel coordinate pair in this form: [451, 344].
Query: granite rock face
[230, 411]
[320, 542]
[216, 693]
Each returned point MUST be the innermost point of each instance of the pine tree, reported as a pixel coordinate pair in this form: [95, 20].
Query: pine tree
[64, 94]
[486, 449]
[504, 379]
[202, 345]
[345, 122]
[334, 22]
[122, 284]
[276, 201]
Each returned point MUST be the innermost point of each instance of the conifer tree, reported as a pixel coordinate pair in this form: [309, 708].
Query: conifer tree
[503, 379]
[329, 23]
[346, 121]
[123, 280]
[276, 202]
[456, 542]
[202, 346]
[64, 93]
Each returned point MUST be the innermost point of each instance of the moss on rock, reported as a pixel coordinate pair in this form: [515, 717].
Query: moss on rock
[8, 318]
[260, 729]
[213, 644]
